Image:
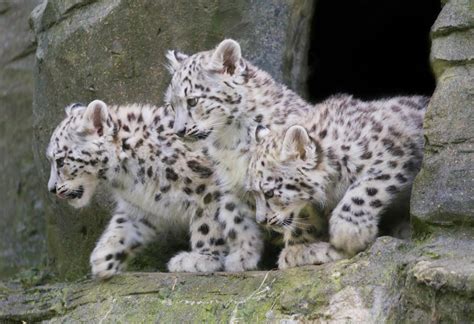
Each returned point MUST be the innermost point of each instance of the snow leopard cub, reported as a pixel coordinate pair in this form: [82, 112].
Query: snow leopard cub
[352, 158]
[220, 99]
[156, 180]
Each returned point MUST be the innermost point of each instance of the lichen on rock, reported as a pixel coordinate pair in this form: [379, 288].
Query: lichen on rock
[394, 281]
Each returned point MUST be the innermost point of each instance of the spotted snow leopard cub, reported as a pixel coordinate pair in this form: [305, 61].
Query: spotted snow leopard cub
[157, 182]
[352, 158]
[220, 99]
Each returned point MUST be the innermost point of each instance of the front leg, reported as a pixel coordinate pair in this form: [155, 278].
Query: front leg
[242, 233]
[354, 222]
[207, 242]
[121, 240]
[302, 246]
[308, 253]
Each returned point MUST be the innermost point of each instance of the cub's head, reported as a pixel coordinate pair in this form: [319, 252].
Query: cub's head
[77, 152]
[207, 89]
[283, 175]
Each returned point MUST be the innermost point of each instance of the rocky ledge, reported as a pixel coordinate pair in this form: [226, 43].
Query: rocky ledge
[394, 281]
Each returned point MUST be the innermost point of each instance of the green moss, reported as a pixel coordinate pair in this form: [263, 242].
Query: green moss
[387, 279]
[33, 277]
[432, 255]
[421, 229]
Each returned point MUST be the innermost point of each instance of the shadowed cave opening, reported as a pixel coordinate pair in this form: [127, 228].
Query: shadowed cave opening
[371, 48]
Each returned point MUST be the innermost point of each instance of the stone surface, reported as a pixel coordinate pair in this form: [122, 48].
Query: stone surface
[295, 67]
[457, 15]
[114, 50]
[22, 239]
[452, 35]
[444, 189]
[394, 281]
[443, 193]
[441, 280]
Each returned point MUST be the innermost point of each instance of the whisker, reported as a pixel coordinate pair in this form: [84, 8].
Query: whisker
[300, 222]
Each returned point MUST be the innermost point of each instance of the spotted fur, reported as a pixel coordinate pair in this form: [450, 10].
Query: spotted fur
[156, 180]
[354, 159]
[220, 100]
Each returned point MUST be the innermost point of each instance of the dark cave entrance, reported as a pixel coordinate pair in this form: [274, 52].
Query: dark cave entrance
[371, 48]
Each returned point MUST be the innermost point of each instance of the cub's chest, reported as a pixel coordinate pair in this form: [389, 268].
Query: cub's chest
[232, 167]
[166, 201]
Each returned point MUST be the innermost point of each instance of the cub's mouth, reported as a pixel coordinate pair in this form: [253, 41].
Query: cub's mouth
[71, 194]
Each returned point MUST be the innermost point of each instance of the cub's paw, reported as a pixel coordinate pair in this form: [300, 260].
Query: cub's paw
[288, 257]
[308, 254]
[349, 237]
[195, 262]
[107, 262]
[241, 261]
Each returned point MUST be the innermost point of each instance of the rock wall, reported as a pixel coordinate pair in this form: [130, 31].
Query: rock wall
[114, 50]
[22, 225]
[443, 194]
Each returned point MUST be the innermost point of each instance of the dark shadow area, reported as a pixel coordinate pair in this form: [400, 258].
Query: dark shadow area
[371, 48]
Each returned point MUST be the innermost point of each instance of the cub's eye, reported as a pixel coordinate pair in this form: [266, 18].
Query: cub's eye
[59, 163]
[268, 194]
[192, 102]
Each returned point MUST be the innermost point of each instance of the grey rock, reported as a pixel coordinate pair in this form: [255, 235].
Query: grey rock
[295, 67]
[392, 282]
[456, 16]
[453, 35]
[22, 226]
[444, 189]
[443, 193]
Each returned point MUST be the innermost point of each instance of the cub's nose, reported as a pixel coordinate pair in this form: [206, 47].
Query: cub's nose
[261, 219]
[181, 132]
[52, 190]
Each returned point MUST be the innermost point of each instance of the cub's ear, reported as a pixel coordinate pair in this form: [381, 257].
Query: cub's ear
[226, 57]
[260, 133]
[97, 113]
[175, 59]
[296, 145]
[72, 107]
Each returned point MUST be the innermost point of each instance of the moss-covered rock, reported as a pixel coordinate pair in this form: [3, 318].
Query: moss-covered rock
[394, 281]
